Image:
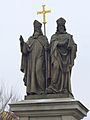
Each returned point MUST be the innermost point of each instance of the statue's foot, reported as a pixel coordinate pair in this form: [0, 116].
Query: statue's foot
[49, 91]
[41, 93]
[64, 91]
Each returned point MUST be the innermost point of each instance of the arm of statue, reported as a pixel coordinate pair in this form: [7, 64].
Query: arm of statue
[21, 39]
[21, 42]
[73, 50]
[24, 46]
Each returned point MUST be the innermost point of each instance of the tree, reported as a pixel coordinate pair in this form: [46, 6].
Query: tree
[7, 96]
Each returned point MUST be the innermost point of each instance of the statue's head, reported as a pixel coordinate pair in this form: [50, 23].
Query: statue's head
[61, 25]
[37, 27]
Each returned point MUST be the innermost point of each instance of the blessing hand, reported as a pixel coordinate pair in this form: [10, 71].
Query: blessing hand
[21, 39]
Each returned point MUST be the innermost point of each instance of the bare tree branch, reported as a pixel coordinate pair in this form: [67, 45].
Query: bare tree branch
[7, 96]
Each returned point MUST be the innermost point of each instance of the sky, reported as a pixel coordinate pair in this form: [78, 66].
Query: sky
[16, 18]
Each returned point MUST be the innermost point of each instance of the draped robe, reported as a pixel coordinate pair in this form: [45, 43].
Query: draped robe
[63, 53]
[33, 64]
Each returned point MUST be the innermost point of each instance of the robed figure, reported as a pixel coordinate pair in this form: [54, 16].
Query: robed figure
[63, 53]
[33, 60]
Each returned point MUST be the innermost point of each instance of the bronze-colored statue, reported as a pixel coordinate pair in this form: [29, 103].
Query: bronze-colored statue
[33, 60]
[63, 53]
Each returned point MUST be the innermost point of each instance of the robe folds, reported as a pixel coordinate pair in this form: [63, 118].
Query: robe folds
[33, 64]
[63, 53]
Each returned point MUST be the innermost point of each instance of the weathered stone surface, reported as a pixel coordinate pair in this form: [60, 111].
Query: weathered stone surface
[55, 109]
[33, 63]
[47, 67]
[48, 96]
[62, 55]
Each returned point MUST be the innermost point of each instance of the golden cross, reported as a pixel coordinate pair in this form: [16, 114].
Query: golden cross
[44, 11]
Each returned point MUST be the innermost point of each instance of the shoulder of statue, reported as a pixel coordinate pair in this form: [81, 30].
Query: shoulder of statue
[71, 40]
[30, 37]
[53, 38]
[42, 37]
[29, 40]
[69, 35]
[43, 40]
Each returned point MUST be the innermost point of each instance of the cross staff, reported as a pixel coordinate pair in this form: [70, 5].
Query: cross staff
[44, 11]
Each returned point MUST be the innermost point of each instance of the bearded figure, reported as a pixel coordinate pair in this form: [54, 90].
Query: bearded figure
[33, 60]
[63, 53]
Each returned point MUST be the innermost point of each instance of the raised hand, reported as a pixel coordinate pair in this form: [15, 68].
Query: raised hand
[21, 39]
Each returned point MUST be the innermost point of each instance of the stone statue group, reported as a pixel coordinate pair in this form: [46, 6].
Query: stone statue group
[47, 67]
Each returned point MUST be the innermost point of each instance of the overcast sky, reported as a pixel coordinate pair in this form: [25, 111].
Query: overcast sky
[16, 18]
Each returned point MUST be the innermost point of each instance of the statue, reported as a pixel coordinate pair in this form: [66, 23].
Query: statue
[37, 61]
[63, 53]
[33, 60]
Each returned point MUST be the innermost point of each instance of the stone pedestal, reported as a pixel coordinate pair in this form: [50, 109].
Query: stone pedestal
[49, 109]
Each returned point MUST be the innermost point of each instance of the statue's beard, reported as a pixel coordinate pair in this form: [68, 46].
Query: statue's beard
[36, 34]
[61, 30]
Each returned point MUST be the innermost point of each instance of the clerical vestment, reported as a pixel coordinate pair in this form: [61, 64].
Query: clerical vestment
[33, 64]
[63, 53]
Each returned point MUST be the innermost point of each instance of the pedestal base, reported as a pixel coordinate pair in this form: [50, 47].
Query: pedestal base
[49, 96]
[49, 109]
